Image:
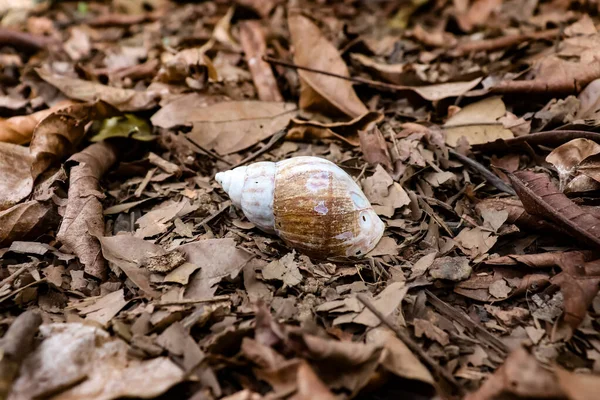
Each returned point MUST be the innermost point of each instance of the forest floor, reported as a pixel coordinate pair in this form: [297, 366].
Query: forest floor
[126, 270]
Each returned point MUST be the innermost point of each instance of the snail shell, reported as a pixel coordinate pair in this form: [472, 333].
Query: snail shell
[310, 202]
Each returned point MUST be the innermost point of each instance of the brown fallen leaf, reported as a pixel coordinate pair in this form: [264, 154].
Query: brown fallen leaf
[542, 260]
[57, 135]
[549, 139]
[83, 220]
[16, 182]
[540, 197]
[321, 92]
[347, 132]
[218, 258]
[19, 129]
[252, 38]
[127, 253]
[190, 66]
[218, 126]
[381, 189]
[27, 220]
[93, 366]
[427, 328]
[478, 123]
[78, 89]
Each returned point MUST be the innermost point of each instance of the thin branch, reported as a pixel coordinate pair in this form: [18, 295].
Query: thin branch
[206, 151]
[412, 345]
[192, 301]
[276, 137]
[363, 81]
[486, 173]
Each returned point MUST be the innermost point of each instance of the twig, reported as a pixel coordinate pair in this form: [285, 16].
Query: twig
[15, 346]
[363, 81]
[15, 274]
[486, 173]
[501, 42]
[547, 138]
[412, 345]
[19, 290]
[454, 314]
[20, 40]
[277, 136]
[192, 301]
[204, 150]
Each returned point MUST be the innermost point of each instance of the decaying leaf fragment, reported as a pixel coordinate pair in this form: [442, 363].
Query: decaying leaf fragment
[26, 220]
[16, 182]
[318, 91]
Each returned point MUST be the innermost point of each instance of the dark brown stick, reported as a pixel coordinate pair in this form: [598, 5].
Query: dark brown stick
[501, 42]
[412, 345]
[547, 138]
[15, 346]
[20, 40]
[486, 173]
[363, 81]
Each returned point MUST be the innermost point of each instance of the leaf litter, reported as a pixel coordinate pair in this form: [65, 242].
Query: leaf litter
[125, 271]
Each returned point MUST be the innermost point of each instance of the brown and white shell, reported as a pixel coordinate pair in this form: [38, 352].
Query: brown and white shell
[310, 202]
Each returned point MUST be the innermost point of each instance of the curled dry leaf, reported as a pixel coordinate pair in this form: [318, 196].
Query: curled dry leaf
[19, 129]
[59, 133]
[568, 157]
[26, 220]
[478, 123]
[83, 220]
[218, 126]
[540, 197]
[347, 132]
[374, 148]
[254, 44]
[318, 91]
[78, 89]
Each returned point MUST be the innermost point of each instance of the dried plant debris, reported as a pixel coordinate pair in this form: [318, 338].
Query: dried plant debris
[126, 271]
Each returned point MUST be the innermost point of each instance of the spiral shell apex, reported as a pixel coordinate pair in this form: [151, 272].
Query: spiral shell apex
[311, 203]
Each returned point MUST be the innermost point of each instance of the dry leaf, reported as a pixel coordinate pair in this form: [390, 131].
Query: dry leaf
[427, 328]
[386, 302]
[83, 220]
[567, 157]
[26, 220]
[57, 135]
[92, 365]
[252, 37]
[478, 123]
[218, 126]
[16, 182]
[381, 189]
[122, 99]
[285, 269]
[218, 259]
[318, 91]
[540, 197]
[127, 253]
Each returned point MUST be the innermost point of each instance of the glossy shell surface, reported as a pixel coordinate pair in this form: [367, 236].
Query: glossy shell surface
[311, 203]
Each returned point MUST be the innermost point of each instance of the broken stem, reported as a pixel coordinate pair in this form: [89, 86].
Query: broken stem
[412, 345]
[193, 301]
[486, 173]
